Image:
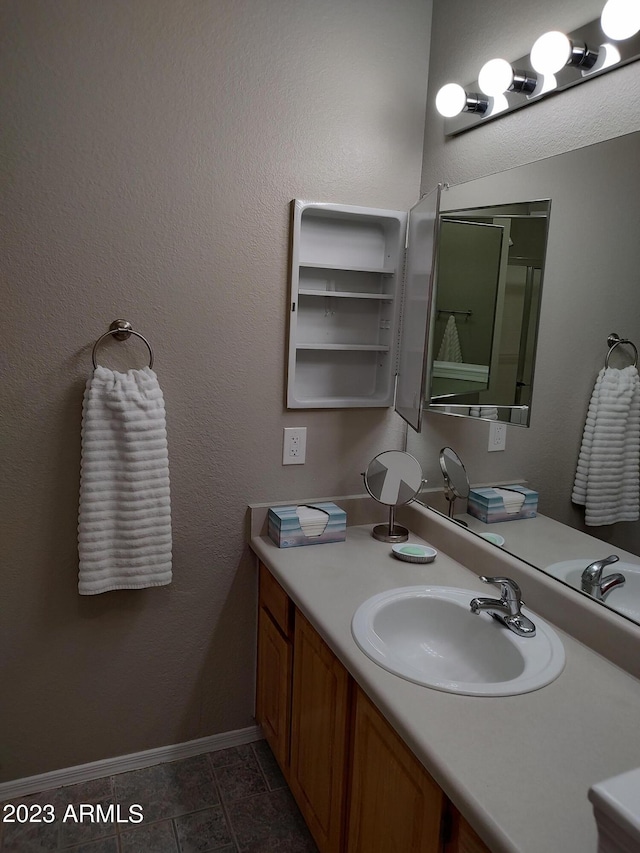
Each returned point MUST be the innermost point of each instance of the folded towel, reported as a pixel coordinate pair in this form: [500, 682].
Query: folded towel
[607, 480]
[124, 525]
[489, 412]
[450, 347]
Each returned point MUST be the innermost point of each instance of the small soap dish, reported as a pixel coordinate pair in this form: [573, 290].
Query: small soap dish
[494, 538]
[412, 553]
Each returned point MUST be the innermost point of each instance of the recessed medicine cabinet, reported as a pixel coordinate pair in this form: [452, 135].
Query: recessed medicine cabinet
[360, 306]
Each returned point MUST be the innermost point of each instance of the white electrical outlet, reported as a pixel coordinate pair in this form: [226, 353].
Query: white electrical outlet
[294, 445]
[497, 436]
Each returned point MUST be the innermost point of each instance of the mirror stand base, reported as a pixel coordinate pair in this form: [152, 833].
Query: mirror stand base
[391, 532]
[386, 533]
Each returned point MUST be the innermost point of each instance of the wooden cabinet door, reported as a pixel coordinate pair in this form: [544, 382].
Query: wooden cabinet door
[394, 804]
[319, 730]
[273, 687]
[463, 838]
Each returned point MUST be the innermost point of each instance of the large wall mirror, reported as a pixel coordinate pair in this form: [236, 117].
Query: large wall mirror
[484, 324]
[591, 288]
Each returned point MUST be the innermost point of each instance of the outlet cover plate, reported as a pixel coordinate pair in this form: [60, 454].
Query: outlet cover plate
[294, 445]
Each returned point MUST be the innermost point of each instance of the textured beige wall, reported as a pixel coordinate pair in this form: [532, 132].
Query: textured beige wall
[590, 288]
[153, 149]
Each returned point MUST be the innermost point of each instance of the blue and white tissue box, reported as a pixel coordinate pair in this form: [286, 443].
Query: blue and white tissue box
[307, 524]
[488, 505]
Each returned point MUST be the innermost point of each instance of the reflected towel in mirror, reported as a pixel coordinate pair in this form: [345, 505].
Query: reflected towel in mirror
[450, 349]
[607, 481]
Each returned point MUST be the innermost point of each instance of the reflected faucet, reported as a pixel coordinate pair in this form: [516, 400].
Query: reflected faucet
[594, 584]
[506, 609]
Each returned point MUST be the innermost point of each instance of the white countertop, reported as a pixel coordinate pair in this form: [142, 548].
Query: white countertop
[541, 541]
[518, 767]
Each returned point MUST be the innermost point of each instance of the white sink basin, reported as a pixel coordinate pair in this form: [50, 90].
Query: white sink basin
[428, 635]
[624, 599]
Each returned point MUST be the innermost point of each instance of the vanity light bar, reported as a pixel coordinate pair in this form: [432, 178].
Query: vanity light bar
[590, 53]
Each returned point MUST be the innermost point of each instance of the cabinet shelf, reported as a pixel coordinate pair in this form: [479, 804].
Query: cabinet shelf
[348, 268]
[345, 294]
[345, 305]
[353, 347]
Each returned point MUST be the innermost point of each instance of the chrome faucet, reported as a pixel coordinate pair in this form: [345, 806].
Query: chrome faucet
[506, 609]
[594, 584]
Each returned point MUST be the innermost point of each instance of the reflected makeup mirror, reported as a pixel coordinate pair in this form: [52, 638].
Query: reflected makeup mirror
[393, 478]
[456, 482]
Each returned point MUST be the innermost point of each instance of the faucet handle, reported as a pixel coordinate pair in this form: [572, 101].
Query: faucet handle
[509, 589]
[593, 572]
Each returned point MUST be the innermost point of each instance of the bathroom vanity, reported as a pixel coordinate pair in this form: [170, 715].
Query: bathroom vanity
[378, 763]
[340, 756]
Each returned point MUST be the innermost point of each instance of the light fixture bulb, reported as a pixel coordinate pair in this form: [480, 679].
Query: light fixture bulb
[550, 52]
[620, 19]
[451, 100]
[495, 77]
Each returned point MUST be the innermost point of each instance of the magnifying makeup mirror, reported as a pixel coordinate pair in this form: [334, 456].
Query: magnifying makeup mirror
[456, 482]
[393, 478]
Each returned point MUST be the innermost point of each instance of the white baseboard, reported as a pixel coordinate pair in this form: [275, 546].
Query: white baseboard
[123, 763]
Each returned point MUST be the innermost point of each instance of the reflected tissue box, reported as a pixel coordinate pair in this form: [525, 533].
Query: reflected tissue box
[307, 524]
[502, 503]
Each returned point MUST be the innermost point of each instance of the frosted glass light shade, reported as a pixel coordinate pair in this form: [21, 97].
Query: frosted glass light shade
[495, 77]
[451, 100]
[550, 52]
[620, 19]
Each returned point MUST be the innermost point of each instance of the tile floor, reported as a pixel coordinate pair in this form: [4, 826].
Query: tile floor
[231, 801]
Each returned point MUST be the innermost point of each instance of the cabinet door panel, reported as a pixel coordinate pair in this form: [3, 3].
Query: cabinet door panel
[394, 803]
[276, 601]
[463, 838]
[319, 724]
[273, 689]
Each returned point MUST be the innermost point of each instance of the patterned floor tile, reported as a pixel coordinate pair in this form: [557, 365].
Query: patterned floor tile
[182, 810]
[237, 781]
[82, 823]
[233, 755]
[65, 831]
[18, 835]
[92, 791]
[150, 838]
[269, 765]
[168, 790]
[30, 837]
[103, 845]
[270, 822]
[203, 831]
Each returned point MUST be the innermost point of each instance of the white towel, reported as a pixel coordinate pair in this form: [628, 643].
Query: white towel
[450, 347]
[124, 525]
[607, 480]
[489, 412]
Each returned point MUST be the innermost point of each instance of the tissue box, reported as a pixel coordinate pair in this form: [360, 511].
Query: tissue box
[487, 505]
[285, 529]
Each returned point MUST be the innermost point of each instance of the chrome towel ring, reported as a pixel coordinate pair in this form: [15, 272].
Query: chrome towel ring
[121, 330]
[614, 341]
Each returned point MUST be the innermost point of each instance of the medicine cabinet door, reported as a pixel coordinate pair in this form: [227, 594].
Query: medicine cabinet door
[417, 308]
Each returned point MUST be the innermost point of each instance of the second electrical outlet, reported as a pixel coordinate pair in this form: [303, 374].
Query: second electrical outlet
[294, 446]
[497, 436]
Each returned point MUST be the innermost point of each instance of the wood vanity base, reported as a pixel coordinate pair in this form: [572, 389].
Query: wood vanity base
[359, 787]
